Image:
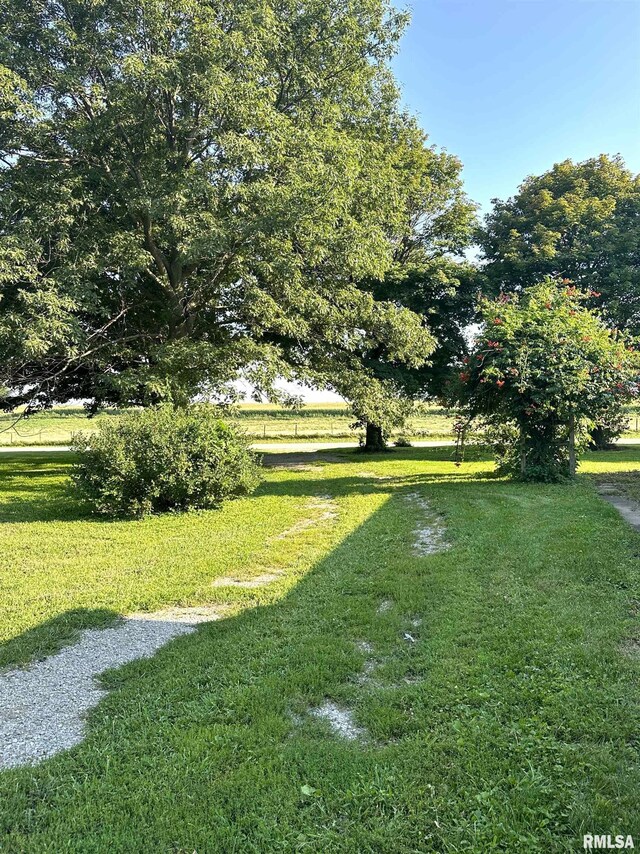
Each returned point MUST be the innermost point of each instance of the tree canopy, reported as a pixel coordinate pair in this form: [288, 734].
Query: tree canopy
[190, 190]
[430, 277]
[579, 221]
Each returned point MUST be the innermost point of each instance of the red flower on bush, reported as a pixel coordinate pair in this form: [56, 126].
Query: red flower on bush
[499, 383]
[498, 321]
[547, 305]
[464, 376]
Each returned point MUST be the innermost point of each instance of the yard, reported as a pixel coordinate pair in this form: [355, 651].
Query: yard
[490, 687]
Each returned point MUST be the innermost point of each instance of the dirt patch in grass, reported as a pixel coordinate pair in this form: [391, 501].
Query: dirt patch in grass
[626, 484]
[429, 533]
[322, 508]
[340, 720]
[249, 584]
[631, 647]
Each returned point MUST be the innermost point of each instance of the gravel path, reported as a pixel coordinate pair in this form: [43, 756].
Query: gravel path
[628, 509]
[43, 707]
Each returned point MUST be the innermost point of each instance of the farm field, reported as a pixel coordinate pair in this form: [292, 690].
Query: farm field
[264, 422]
[490, 686]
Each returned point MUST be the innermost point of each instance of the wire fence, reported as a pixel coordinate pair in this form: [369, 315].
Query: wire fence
[268, 431]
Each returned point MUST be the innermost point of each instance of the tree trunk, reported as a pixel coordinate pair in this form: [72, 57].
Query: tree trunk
[572, 446]
[374, 439]
[523, 453]
[600, 438]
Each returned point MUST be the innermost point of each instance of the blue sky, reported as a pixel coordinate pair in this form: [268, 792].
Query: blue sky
[514, 86]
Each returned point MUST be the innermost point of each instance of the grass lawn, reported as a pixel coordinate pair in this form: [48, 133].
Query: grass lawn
[507, 721]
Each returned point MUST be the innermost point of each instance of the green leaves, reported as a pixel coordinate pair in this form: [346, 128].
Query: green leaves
[579, 221]
[219, 173]
[545, 364]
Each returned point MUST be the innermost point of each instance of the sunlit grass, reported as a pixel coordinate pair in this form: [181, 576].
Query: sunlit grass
[508, 723]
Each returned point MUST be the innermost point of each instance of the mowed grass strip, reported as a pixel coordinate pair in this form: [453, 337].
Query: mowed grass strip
[62, 569]
[507, 721]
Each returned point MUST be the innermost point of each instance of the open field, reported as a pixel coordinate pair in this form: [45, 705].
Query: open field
[263, 422]
[495, 699]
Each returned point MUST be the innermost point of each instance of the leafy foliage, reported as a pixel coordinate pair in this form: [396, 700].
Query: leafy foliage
[579, 221]
[428, 277]
[163, 459]
[189, 192]
[543, 370]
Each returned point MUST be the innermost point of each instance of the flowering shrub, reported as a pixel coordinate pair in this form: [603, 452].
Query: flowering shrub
[163, 459]
[543, 371]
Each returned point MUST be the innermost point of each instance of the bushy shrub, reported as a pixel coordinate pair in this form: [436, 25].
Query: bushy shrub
[403, 442]
[543, 371]
[163, 459]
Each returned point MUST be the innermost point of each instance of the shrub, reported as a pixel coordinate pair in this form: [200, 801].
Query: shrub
[402, 442]
[544, 371]
[163, 459]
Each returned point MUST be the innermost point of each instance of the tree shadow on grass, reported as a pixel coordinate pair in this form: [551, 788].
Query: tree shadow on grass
[40, 490]
[210, 745]
[48, 637]
[473, 453]
[370, 484]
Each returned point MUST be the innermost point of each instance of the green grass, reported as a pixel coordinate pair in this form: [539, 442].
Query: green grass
[619, 471]
[509, 725]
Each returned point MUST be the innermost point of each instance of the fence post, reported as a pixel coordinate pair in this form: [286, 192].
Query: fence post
[295, 429]
[264, 431]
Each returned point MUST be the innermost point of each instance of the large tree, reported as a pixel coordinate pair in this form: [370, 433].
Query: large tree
[579, 221]
[190, 190]
[431, 278]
